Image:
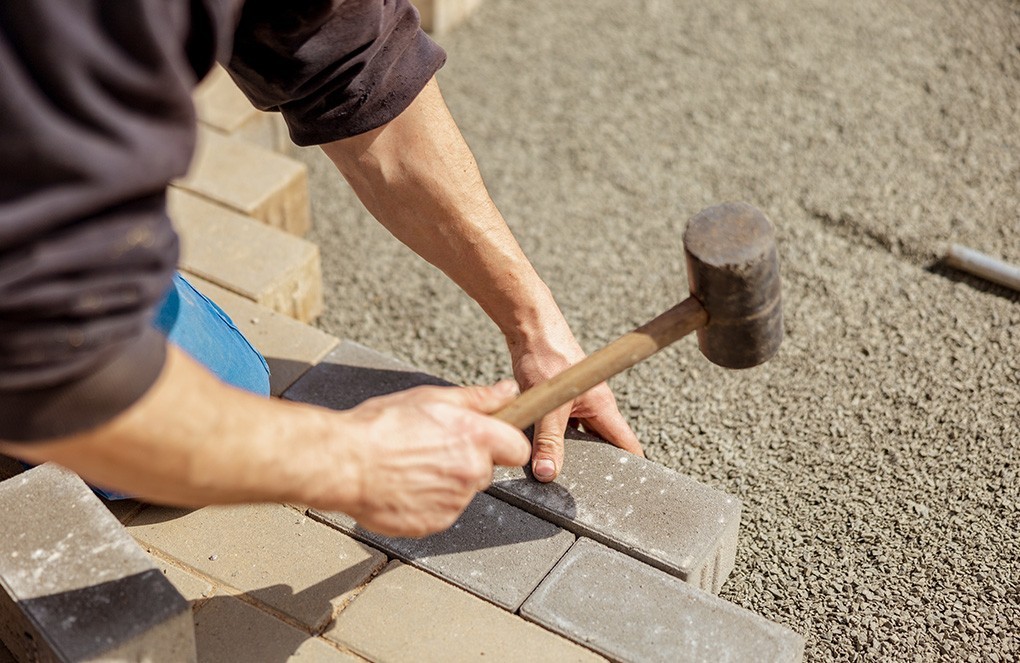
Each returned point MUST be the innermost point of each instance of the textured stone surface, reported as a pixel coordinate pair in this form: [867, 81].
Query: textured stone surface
[260, 263]
[636, 506]
[76, 586]
[353, 373]
[251, 180]
[290, 347]
[630, 611]
[228, 630]
[494, 550]
[408, 615]
[275, 555]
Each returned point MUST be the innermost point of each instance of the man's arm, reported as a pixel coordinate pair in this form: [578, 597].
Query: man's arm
[404, 465]
[417, 176]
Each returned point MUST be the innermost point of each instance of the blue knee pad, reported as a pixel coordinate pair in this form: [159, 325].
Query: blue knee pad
[195, 324]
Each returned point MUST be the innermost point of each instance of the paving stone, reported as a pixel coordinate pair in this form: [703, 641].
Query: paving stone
[408, 615]
[279, 557]
[76, 586]
[290, 347]
[644, 509]
[251, 180]
[352, 373]
[636, 506]
[260, 263]
[191, 587]
[494, 550]
[229, 630]
[630, 611]
[222, 106]
[441, 16]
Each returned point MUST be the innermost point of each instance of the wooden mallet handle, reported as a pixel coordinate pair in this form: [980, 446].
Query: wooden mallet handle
[603, 364]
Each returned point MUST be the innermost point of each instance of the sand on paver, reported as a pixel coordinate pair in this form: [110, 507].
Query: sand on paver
[877, 454]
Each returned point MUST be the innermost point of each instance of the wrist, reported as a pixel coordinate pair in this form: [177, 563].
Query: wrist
[324, 467]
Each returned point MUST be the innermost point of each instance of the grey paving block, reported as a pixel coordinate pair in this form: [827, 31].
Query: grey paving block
[636, 506]
[352, 373]
[494, 550]
[630, 611]
[76, 585]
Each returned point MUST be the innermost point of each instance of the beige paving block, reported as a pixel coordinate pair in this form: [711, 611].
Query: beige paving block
[277, 556]
[260, 263]
[439, 16]
[220, 104]
[222, 107]
[408, 615]
[227, 630]
[191, 587]
[251, 180]
[290, 347]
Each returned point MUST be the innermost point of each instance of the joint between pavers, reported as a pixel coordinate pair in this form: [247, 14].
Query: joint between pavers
[228, 590]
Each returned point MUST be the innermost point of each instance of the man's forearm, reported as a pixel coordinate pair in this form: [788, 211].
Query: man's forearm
[192, 440]
[417, 176]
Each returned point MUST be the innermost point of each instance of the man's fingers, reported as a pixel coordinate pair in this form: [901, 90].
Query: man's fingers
[507, 445]
[547, 449]
[480, 398]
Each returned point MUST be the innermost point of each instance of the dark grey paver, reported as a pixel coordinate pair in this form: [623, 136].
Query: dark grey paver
[494, 550]
[352, 373]
[630, 611]
[636, 506]
[76, 585]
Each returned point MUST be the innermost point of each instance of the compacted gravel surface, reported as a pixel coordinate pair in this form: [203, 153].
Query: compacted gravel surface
[876, 456]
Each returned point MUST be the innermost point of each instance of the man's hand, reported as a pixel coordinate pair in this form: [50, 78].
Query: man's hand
[596, 409]
[426, 452]
[417, 176]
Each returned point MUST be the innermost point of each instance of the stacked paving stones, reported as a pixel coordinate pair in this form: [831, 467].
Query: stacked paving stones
[619, 558]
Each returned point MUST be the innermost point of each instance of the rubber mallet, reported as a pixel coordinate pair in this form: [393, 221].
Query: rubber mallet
[735, 306]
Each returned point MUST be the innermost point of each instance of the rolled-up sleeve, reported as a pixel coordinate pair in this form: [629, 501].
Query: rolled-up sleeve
[95, 120]
[334, 69]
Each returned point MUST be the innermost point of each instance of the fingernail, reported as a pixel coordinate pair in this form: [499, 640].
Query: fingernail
[544, 469]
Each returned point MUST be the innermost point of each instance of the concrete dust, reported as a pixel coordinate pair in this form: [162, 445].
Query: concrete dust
[877, 454]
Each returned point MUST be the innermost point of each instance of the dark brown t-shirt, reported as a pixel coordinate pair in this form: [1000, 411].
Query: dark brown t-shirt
[96, 119]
